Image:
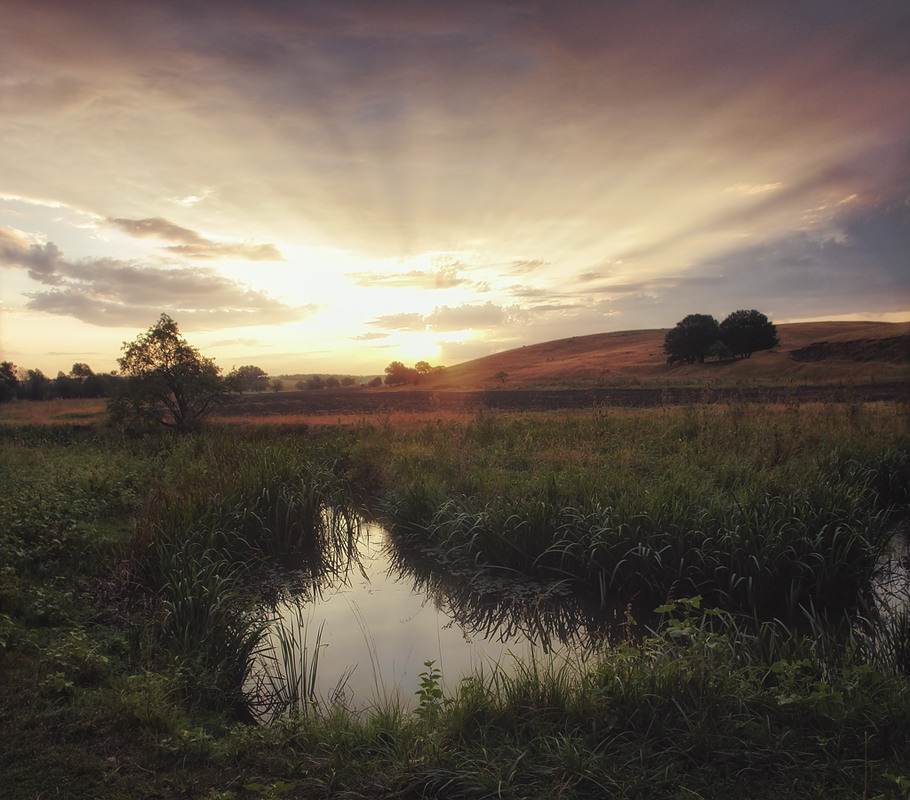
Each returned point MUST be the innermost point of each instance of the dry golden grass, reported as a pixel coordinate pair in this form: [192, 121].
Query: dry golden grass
[636, 357]
[51, 412]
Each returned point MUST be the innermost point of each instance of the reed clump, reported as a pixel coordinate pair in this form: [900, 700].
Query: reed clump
[697, 502]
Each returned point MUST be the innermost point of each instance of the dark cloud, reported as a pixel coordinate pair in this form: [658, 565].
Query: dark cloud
[106, 291]
[865, 267]
[192, 244]
[859, 267]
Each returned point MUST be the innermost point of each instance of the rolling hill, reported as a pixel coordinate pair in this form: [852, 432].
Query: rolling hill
[811, 352]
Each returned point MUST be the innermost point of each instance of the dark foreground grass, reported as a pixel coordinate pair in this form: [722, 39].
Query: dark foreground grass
[105, 690]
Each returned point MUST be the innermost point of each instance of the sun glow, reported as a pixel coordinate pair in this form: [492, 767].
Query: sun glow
[417, 346]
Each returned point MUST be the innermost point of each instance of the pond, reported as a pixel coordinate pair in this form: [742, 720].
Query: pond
[359, 630]
[361, 635]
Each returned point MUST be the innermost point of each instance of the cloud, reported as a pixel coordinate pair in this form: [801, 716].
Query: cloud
[107, 291]
[752, 188]
[447, 318]
[193, 244]
[406, 321]
[862, 267]
[522, 267]
[444, 278]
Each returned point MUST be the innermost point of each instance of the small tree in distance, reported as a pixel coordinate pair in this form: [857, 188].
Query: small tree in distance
[167, 381]
[746, 332]
[248, 378]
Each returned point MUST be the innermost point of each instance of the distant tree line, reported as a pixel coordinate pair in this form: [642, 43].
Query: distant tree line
[698, 336]
[316, 382]
[33, 384]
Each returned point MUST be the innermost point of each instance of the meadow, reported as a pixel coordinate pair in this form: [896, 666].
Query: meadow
[133, 574]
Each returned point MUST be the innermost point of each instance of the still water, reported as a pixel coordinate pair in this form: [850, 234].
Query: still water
[384, 613]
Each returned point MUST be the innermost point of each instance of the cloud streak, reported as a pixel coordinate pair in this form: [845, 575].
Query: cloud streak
[192, 244]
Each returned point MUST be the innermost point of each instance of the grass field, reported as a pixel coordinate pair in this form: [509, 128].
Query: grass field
[129, 570]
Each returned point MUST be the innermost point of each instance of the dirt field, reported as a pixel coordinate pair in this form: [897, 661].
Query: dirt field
[347, 402]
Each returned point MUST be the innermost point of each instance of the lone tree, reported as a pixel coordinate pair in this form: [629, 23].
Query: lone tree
[692, 338]
[745, 332]
[167, 381]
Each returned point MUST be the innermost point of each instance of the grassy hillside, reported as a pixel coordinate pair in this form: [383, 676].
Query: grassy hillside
[629, 357]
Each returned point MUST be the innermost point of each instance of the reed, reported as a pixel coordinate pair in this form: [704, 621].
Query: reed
[725, 519]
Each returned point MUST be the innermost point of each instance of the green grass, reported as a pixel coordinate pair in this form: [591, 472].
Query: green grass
[129, 584]
[697, 500]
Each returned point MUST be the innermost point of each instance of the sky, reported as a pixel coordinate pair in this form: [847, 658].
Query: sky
[332, 185]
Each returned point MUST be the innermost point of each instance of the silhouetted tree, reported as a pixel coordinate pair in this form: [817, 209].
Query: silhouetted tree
[746, 332]
[691, 339]
[36, 385]
[9, 381]
[315, 382]
[67, 387]
[167, 381]
[397, 374]
[248, 378]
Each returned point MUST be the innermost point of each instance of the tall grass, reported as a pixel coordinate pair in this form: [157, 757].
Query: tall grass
[225, 510]
[700, 502]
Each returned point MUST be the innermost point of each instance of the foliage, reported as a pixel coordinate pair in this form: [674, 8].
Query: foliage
[692, 338]
[248, 378]
[9, 381]
[397, 374]
[167, 382]
[35, 385]
[745, 332]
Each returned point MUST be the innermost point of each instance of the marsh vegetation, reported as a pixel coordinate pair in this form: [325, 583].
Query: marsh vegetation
[137, 572]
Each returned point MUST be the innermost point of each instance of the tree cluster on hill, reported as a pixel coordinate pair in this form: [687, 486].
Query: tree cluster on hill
[397, 373]
[698, 336]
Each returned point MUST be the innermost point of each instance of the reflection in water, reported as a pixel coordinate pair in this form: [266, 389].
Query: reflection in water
[356, 621]
[360, 633]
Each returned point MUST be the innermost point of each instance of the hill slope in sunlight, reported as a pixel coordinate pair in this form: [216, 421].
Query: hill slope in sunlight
[814, 352]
